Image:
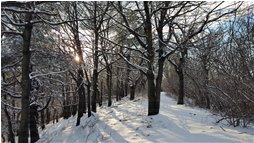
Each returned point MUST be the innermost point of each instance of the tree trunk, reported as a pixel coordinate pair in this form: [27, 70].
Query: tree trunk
[96, 59]
[109, 85]
[11, 137]
[64, 110]
[206, 79]
[122, 90]
[81, 92]
[117, 84]
[25, 81]
[55, 115]
[95, 79]
[88, 86]
[57, 118]
[153, 99]
[159, 81]
[88, 99]
[10, 129]
[181, 84]
[74, 106]
[68, 103]
[34, 134]
[161, 61]
[42, 117]
[101, 93]
[48, 115]
[80, 83]
[65, 104]
[153, 102]
[42, 120]
[207, 98]
[3, 138]
[126, 84]
[132, 92]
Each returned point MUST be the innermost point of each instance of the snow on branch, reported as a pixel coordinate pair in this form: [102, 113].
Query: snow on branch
[11, 21]
[57, 23]
[47, 104]
[142, 69]
[10, 94]
[206, 21]
[45, 74]
[129, 48]
[35, 11]
[127, 26]
[11, 65]
[15, 108]
[20, 3]
[11, 32]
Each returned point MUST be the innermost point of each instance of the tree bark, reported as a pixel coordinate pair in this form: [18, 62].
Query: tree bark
[34, 134]
[80, 83]
[181, 83]
[117, 84]
[161, 59]
[153, 99]
[122, 89]
[81, 92]
[132, 92]
[42, 120]
[160, 67]
[205, 59]
[88, 86]
[127, 77]
[109, 85]
[74, 106]
[3, 138]
[65, 105]
[48, 115]
[153, 102]
[10, 129]
[25, 81]
[95, 76]
[96, 59]
[88, 99]
[11, 137]
[101, 93]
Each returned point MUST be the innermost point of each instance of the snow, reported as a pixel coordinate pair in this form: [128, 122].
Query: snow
[127, 121]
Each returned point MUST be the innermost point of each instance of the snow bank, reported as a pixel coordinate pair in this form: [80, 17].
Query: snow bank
[127, 121]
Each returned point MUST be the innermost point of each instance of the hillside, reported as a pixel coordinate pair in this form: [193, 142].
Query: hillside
[126, 121]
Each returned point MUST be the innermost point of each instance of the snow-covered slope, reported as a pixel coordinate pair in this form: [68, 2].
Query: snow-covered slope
[127, 121]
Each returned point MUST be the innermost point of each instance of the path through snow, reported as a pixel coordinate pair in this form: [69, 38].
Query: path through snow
[127, 121]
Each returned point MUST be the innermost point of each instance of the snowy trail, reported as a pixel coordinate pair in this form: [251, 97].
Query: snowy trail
[126, 121]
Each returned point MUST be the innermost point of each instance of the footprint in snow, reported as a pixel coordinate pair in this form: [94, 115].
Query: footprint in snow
[192, 114]
[149, 126]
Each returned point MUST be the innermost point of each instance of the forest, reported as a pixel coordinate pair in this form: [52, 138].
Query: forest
[69, 59]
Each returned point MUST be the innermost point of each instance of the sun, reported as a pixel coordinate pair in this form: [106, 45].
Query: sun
[77, 58]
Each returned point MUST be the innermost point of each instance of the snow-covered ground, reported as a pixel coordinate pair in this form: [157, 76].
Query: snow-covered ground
[127, 121]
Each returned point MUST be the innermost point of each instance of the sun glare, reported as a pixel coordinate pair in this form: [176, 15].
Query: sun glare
[77, 58]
